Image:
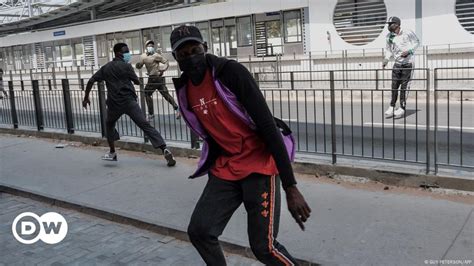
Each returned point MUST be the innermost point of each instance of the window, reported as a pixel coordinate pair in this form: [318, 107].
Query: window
[152, 34]
[166, 33]
[204, 29]
[359, 22]
[465, 14]
[244, 31]
[9, 55]
[26, 54]
[135, 45]
[79, 49]
[274, 37]
[102, 46]
[292, 24]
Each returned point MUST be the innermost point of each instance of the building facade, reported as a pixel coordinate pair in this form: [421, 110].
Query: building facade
[243, 28]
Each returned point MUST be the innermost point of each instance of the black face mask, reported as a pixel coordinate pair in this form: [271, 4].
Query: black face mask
[195, 67]
[392, 27]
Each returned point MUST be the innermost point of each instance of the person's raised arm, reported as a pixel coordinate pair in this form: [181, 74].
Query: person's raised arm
[98, 76]
[132, 75]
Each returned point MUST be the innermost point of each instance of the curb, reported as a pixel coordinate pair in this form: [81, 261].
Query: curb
[129, 220]
[390, 177]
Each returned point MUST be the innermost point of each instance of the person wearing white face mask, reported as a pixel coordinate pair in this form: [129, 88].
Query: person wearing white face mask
[156, 64]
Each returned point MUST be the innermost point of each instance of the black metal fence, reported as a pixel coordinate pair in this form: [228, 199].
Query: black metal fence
[327, 119]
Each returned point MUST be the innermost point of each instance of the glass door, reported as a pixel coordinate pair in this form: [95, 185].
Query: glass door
[218, 44]
[231, 41]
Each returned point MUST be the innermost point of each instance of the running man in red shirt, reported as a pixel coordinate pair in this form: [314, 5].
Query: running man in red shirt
[244, 152]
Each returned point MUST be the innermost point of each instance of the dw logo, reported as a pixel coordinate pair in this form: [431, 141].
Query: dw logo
[28, 228]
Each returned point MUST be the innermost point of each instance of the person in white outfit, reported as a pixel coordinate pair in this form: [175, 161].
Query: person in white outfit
[401, 45]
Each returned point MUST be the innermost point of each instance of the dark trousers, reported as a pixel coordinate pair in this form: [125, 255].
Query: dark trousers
[401, 77]
[133, 110]
[157, 83]
[219, 200]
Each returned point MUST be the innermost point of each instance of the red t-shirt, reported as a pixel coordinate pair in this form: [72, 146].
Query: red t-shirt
[244, 151]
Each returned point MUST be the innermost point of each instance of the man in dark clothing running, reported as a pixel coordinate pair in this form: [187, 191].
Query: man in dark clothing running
[122, 99]
[244, 152]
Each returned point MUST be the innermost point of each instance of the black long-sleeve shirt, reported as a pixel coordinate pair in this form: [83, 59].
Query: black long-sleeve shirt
[118, 77]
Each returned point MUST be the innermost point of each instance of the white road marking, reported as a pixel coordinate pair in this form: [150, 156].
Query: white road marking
[420, 126]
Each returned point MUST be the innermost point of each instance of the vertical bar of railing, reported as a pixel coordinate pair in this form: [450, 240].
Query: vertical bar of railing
[292, 80]
[102, 108]
[310, 70]
[333, 118]
[79, 79]
[376, 79]
[54, 78]
[68, 106]
[428, 121]
[38, 107]
[143, 102]
[13, 104]
[461, 130]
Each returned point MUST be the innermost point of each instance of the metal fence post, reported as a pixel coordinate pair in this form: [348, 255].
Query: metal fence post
[81, 81]
[142, 101]
[50, 87]
[38, 106]
[102, 108]
[377, 79]
[54, 78]
[22, 84]
[333, 118]
[436, 120]
[292, 80]
[68, 106]
[194, 141]
[310, 70]
[257, 79]
[428, 129]
[13, 104]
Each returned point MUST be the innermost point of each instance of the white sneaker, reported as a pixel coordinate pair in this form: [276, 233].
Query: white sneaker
[399, 113]
[389, 112]
[110, 157]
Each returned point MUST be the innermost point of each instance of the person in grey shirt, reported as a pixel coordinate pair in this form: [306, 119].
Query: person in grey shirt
[122, 99]
[156, 64]
[401, 45]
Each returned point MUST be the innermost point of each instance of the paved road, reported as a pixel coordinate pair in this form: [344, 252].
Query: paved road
[93, 241]
[350, 224]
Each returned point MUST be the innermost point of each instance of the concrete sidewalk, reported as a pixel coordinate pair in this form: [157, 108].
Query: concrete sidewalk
[349, 226]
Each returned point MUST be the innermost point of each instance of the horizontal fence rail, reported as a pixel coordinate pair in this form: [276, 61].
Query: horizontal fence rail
[326, 118]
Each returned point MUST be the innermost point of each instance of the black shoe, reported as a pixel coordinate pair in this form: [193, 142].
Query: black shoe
[169, 157]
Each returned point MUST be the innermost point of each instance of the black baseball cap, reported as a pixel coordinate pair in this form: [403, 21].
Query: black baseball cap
[395, 20]
[184, 34]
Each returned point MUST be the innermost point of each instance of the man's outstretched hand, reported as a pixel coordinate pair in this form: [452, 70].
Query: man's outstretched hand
[86, 102]
[297, 206]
